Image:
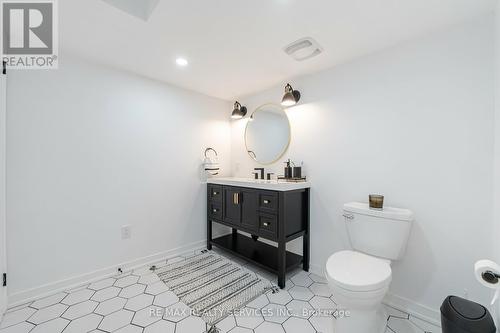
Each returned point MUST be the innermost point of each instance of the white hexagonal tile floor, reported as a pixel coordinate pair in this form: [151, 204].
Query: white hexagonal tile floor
[80, 310]
[137, 302]
[111, 305]
[105, 294]
[281, 297]
[16, 317]
[259, 302]
[148, 316]
[102, 284]
[116, 320]
[54, 326]
[48, 313]
[78, 296]
[48, 301]
[300, 309]
[162, 326]
[132, 291]
[177, 312]
[275, 313]
[166, 299]
[84, 324]
[298, 325]
[126, 281]
[248, 318]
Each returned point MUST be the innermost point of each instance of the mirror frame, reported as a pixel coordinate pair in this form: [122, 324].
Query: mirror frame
[289, 134]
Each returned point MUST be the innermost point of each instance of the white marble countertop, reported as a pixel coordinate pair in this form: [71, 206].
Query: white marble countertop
[272, 185]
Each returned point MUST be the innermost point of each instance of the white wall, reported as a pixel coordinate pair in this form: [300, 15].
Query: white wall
[91, 149]
[496, 235]
[415, 123]
[496, 202]
[3, 146]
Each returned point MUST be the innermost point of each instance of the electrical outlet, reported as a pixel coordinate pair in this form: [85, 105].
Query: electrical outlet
[126, 232]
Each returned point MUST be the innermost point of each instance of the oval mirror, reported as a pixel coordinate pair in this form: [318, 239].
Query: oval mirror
[267, 134]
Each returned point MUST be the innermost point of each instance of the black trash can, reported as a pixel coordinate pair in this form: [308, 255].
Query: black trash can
[459, 315]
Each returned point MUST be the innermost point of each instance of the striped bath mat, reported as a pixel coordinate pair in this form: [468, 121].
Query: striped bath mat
[212, 286]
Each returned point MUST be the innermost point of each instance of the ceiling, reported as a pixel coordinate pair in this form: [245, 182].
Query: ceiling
[235, 47]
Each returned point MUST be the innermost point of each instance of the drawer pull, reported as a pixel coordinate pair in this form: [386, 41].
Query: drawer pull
[265, 224]
[266, 201]
[236, 198]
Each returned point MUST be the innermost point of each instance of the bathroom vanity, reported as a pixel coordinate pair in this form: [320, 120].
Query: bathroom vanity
[270, 210]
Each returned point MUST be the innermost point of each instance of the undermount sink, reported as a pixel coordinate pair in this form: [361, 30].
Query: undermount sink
[273, 185]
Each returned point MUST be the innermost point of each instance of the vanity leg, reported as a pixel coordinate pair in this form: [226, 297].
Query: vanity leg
[306, 245]
[306, 253]
[209, 235]
[281, 240]
[281, 264]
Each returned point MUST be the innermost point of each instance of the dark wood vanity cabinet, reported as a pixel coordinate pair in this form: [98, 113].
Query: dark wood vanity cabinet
[278, 216]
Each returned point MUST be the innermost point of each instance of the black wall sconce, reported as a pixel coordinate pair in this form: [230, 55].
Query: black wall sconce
[239, 111]
[291, 96]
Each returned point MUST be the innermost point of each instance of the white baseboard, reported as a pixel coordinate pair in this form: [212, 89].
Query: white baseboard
[317, 269]
[49, 289]
[415, 309]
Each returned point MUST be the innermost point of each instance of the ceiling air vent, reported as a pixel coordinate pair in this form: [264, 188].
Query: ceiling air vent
[303, 49]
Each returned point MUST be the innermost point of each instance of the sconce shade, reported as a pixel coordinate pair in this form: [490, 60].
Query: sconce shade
[291, 96]
[238, 111]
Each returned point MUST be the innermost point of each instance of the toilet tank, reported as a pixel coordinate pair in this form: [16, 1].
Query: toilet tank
[381, 233]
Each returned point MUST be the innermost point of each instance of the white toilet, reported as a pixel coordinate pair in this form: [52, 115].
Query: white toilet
[360, 278]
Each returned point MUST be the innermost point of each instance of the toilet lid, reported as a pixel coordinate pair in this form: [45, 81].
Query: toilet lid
[357, 271]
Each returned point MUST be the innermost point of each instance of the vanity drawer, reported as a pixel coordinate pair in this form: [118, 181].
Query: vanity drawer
[268, 226]
[215, 210]
[268, 201]
[215, 193]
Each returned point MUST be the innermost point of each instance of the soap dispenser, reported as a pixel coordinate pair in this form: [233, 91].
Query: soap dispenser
[288, 169]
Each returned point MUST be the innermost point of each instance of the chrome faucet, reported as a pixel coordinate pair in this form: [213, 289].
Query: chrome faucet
[261, 172]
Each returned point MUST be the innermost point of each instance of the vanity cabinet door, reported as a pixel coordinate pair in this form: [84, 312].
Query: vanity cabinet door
[232, 205]
[249, 207]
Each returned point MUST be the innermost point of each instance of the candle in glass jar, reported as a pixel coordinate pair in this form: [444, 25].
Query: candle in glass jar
[376, 201]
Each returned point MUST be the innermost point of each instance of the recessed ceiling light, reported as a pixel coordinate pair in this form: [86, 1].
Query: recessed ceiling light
[181, 62]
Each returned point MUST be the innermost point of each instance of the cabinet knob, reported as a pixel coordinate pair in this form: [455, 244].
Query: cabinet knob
[215, 193]
[266, 201]
[215, 210]
[265, 224]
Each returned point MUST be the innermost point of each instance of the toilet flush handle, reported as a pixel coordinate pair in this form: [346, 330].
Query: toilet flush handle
[348, 216]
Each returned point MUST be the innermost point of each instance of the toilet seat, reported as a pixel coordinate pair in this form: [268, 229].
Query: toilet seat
[358, 272]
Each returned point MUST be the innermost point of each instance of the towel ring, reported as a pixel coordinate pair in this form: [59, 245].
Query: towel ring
[210, 149]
